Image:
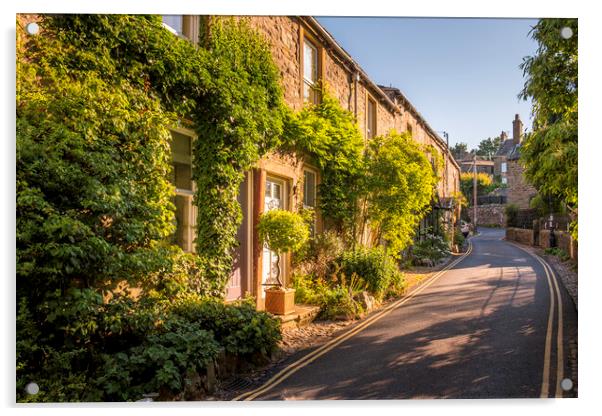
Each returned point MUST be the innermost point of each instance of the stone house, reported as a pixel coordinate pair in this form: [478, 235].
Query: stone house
[483, 165]
[305, 54]
[507, 166]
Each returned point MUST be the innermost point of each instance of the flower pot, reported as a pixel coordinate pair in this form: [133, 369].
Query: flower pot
[280, 301]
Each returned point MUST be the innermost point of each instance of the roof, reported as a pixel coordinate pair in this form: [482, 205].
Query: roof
[515, 153]
[349, 63]
[398, 96]
[479, 162]
[506, 148]
[387, 95]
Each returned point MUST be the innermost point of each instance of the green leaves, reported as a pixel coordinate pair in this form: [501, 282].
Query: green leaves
[283, 231]
[485, 184]
[373, 266]
[399, 184]
[96, 96]
[549, 154]
[329, 135]
[240, 119]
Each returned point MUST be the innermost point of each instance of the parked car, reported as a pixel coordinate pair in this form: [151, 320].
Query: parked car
[464, 228]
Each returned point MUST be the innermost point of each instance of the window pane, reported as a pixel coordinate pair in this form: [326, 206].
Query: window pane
[371, 128]
[306, 92]
[309, 189]
[181, 147]
[184, 226]
[310, 94]
[276, 191]
[310, 62]
[174, 21]
[182, 176]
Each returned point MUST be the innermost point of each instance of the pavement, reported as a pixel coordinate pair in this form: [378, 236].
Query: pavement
[489, 327]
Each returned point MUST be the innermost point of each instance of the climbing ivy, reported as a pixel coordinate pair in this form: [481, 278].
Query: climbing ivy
[115, 85]
[329, 135]
[97, 96]
[241, 119]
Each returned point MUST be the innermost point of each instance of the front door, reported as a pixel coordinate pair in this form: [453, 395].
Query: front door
[240, 267]
[274, 199]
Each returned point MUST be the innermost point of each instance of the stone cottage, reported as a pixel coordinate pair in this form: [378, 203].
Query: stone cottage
[305, 54]
[507, 165]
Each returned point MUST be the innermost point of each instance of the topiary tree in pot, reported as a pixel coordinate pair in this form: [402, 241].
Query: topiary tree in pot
[283, 232]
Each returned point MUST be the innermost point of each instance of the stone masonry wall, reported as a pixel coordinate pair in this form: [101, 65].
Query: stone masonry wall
[519, 190]
[520, 235]
[563, 241]
[284, 34]
[493, 214]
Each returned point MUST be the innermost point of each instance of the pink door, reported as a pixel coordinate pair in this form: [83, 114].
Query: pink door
[240, 277]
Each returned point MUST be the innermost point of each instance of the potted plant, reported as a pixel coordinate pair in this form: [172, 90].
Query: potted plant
[283, 232]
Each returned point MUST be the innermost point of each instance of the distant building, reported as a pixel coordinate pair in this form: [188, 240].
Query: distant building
[507, 166]
[483, 165]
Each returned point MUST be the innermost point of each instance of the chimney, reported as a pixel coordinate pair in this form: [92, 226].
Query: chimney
[517, 129]
[503, 136]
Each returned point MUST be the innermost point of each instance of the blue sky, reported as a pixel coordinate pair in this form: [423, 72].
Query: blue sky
[462, 75]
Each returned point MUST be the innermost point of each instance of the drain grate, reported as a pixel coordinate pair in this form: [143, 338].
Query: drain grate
[237, 383]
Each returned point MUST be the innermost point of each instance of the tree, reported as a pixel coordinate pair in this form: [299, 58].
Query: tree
[459, 150]
[488, 146]
[485, 184]
[549, 153]
[400, 182]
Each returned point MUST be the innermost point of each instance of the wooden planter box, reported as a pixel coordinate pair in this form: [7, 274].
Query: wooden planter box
[280, 301]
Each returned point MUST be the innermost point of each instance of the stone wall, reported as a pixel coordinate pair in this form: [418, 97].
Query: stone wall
[284, 34]
[493, 214]
[523, 236]
[563, 241]
[519, 190]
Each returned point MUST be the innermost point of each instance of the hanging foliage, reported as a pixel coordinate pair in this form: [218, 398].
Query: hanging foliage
[329, 135]
[241, 119]
[126, 78]
[96, 97]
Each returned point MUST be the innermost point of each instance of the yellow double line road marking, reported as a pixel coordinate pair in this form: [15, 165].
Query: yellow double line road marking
[314, 355]
[547, 361]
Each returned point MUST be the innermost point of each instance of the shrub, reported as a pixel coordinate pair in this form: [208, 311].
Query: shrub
[432, 249]
[283, 231]
[164, 362]
[459, 238]
[239, 328]
[558, 252]
[378, 270]
[400, 181]
[511, 214]
[335, 301]
[319, 257]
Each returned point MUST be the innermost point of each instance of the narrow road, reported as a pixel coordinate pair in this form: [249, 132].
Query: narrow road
[486, 328]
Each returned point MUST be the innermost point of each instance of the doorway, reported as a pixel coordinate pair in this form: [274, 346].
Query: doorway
[275, 198]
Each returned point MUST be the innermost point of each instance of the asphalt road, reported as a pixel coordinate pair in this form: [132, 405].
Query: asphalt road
[483, 329]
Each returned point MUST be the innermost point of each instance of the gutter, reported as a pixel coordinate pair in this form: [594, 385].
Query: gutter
[360, 75]
[351, 65]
